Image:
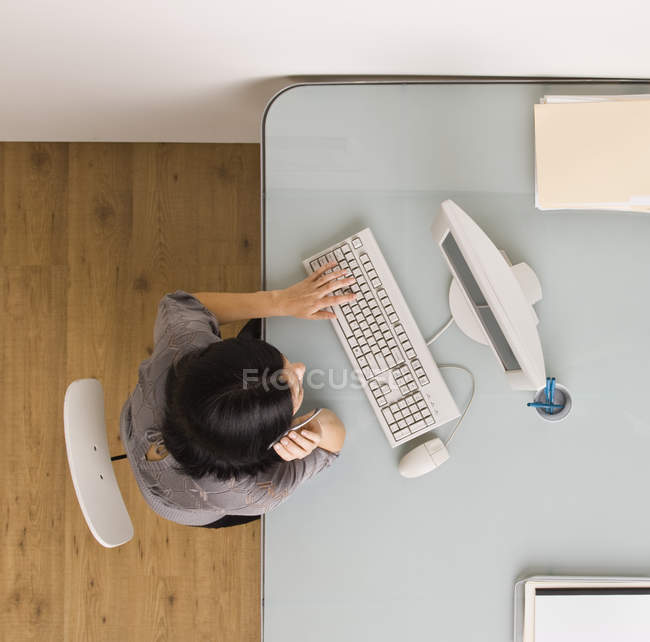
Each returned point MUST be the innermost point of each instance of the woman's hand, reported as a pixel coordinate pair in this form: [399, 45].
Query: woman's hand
[297, 444]
[325, 431]
[308, 298]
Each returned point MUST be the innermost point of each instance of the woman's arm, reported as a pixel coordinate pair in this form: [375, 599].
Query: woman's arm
[306, 299]
[230, 306]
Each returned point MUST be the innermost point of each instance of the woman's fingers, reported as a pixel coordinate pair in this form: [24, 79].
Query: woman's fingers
[338, 299]
[335, 285]
[293, 448]
[311, 435]
[326, 278]
[323, 314]
[297, 445]
[283, 452]
[328, 266]
[327, 301]
[301, 441]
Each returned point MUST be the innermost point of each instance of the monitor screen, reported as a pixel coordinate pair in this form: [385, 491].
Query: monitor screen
[479, 303]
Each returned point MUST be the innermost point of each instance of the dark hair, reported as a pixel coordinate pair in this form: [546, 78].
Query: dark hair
[225, 405]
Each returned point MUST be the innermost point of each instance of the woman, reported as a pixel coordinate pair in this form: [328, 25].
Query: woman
[204, 429]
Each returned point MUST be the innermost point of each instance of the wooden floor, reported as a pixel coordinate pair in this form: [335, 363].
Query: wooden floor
[91, 236]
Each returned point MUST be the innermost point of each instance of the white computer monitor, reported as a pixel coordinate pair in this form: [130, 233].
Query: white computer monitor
[490, 299]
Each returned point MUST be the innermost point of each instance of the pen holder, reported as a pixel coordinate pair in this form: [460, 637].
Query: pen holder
[562, 397]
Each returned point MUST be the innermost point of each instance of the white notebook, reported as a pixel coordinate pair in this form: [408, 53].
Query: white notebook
[582, 609]
[593, 152]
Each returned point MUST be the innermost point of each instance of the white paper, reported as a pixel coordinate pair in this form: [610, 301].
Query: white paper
[592, 618]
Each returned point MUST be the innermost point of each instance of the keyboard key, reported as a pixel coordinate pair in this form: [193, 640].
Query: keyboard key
[381, 400]
[393, 318]
[375, 282]
[401, 434]
[345, 328]
[424, 380]
[390, 360]
[418, 425]
[367, 373]
[356, 243]
[338, 253]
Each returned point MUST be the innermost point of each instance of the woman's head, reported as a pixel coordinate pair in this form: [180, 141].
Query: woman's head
[226, 404]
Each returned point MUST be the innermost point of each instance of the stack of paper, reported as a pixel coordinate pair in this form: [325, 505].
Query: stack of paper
[593, 152]
[582, 609]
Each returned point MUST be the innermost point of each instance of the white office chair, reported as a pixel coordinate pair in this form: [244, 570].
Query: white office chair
[91, 465]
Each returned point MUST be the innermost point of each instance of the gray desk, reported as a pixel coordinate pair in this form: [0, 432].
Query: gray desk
[360, 553]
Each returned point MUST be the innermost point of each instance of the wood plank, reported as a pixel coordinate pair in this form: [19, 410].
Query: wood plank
[99, 231]
[33, 204]
[33, 468]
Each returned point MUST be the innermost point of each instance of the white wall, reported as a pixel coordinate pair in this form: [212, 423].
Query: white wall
[199, 70]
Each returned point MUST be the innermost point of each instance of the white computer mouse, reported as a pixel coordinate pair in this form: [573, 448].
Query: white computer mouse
[423, 458]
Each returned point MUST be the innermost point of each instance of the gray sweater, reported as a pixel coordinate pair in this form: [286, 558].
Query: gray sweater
[184, 324]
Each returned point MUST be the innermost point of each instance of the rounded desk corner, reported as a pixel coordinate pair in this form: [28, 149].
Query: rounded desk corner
[274, 97]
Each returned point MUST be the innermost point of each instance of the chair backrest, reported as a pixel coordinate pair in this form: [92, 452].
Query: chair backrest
[90, 464]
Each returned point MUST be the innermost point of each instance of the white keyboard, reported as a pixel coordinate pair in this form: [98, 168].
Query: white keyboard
[400, 377]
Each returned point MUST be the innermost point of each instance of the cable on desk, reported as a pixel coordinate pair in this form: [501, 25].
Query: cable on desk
[441, 331]
[469, 403]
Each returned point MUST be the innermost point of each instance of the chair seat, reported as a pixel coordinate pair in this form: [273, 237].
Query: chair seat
[90, 464]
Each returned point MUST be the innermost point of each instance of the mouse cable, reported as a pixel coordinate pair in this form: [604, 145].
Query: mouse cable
[441, 331]
[469, 403]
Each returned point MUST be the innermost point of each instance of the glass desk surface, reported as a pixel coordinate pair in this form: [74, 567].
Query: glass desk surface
[359, 553]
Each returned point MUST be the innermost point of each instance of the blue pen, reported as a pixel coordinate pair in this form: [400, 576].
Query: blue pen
[547, 406]
[552, 393]
[547, 390]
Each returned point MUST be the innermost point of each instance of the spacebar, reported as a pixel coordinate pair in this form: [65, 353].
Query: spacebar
[343, 322]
